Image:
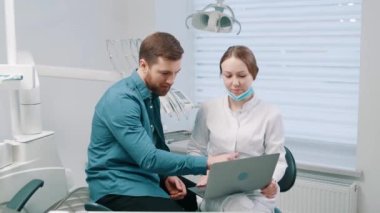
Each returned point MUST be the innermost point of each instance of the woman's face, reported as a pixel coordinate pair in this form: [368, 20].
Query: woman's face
[236, 76]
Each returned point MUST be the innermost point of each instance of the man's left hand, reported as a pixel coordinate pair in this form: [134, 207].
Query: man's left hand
[175, 187]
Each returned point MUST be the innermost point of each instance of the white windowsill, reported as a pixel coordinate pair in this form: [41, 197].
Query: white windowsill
[324, 158]
[305, 167]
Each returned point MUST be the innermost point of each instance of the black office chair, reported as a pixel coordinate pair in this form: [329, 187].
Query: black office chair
[18, 201]
[290, 175]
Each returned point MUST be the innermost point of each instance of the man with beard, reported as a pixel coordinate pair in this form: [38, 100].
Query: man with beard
[130, 168]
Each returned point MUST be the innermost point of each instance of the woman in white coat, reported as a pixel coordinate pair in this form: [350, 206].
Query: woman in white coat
[240, 122]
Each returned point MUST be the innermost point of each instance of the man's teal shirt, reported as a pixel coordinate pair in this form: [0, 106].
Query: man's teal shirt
[127, 154]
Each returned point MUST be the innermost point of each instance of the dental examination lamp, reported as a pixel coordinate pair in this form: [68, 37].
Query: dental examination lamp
[214, 19]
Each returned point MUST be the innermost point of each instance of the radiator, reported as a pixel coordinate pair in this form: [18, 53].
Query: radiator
[319, 196]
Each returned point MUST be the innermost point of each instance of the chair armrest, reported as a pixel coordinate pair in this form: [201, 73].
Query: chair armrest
[19, 200]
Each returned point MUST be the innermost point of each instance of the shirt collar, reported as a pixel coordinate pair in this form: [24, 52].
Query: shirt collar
[251, 103]
[141, 86]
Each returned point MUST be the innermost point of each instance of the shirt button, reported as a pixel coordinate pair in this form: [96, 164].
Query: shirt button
[151, 106]
[151, 126]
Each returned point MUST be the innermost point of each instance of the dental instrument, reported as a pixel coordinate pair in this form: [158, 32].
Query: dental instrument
[123, 54]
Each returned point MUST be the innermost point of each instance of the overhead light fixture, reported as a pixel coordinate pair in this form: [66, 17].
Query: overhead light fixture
[213, 18]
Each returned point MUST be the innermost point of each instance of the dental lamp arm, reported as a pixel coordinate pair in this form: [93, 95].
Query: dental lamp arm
[237, 22]
[186, 20]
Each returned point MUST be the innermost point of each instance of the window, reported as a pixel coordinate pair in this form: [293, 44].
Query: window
[308, 52]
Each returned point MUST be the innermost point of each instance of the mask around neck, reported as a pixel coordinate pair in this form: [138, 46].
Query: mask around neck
[244, 96]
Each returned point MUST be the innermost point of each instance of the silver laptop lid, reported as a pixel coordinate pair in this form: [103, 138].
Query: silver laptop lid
[239, 176]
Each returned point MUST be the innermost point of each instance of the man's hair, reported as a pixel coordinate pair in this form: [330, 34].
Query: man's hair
[160, 44]
[245, 55]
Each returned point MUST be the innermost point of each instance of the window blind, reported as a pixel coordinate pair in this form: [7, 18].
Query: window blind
[308, 53]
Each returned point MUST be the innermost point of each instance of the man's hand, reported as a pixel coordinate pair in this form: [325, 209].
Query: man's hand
[270, 190]
[175, 187]
[220, 158]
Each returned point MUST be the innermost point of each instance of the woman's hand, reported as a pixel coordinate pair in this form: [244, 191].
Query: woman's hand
[270, 190]
[203, 180]
[175, 187]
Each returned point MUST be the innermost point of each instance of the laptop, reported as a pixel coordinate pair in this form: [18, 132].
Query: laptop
[236, 176]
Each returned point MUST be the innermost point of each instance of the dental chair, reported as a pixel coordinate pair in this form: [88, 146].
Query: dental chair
[18, 201]
[78, 199]
[75, 201]
[91, 206]
[290, 175]
[72, 202]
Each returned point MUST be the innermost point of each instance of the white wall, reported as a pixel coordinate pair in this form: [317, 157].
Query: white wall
[369, 113]
[72, 33]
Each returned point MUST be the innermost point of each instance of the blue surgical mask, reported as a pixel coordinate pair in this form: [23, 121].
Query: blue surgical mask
[242, 96]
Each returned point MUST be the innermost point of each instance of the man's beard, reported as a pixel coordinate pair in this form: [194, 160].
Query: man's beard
[160, 91]
[156, 89]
